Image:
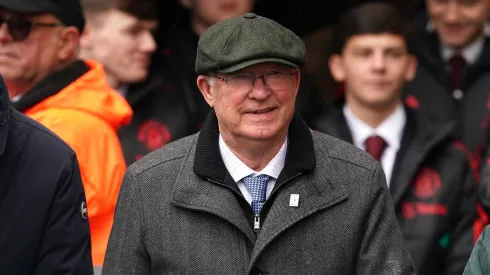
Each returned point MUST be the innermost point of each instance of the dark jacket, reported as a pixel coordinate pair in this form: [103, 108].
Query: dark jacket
[44, 228]
[160, 115]
[179, 55]
[180, 212]
[433, 191]
[484, 186]
[432, 90]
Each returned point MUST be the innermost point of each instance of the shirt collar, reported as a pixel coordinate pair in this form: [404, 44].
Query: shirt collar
[471, 52]
[238, 170]
[391, 129]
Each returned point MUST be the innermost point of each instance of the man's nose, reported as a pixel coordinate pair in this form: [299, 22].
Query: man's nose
[148, 44]
[4, 33]
[260, 91]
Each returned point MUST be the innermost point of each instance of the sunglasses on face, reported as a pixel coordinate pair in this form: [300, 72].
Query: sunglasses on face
[20, 28]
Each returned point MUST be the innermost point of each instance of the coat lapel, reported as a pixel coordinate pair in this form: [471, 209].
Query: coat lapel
[334, 124]
[315, 194]
[210, 196]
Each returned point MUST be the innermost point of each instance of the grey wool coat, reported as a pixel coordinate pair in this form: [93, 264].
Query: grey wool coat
[179, 212]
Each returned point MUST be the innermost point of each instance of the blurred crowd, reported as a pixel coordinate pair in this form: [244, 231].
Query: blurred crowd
[412, 75]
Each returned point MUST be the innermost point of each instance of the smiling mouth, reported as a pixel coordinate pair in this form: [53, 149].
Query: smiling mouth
[262, 112]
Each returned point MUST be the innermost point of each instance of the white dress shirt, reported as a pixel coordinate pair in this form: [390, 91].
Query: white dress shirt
[391, 130]
[238, 170]
[470, 53]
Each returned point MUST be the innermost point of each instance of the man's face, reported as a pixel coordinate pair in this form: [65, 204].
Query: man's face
[122, 43]
[374, 68]
[458, 22]
[254, 113]
[214, 11]
[32, 59]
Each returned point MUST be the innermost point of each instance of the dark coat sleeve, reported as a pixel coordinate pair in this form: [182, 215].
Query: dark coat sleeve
[462, 235]
[65, 247]
[382, 249]
[479, 261]
[125, 252]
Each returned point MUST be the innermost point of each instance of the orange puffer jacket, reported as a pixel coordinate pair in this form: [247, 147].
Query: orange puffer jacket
[87, 114]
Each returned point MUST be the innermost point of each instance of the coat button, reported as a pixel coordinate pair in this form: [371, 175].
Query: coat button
[458, 94]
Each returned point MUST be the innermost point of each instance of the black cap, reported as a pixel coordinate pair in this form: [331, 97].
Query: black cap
[69, 12]
[238, 42]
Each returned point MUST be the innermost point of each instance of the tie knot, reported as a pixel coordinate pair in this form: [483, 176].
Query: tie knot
[257, 186]
[375, 145]
[457, 60]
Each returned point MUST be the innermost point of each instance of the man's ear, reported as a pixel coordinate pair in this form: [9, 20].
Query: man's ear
[85, 37]
[68, 44]
[297, 80]
[205, 85]
[336, 67]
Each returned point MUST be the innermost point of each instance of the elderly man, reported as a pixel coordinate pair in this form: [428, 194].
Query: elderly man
[39, 41]
[256, 191]
[42, 203]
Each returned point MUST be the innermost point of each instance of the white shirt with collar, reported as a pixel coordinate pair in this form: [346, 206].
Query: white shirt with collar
[238, 170]
[391, 130]
[470, 53]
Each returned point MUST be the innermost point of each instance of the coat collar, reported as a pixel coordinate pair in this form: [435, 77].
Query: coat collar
[209, 164]
[5, 112]
[213, 195]
[51, 85]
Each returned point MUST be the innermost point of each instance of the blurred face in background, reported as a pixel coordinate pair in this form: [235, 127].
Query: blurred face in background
[458, 22]
[208, 12]
[374, 68]
[122, 43]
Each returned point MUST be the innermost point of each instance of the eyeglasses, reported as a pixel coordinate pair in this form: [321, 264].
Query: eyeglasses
[275, 80]
[20, 28]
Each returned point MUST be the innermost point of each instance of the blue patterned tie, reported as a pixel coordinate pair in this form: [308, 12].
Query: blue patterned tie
[257, 186]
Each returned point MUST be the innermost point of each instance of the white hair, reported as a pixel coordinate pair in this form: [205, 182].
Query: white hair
[210, 80]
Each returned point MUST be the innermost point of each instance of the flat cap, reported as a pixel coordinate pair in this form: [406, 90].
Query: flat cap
[238, 42]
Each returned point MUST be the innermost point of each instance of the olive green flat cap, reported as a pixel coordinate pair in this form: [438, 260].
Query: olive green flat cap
[238, 42]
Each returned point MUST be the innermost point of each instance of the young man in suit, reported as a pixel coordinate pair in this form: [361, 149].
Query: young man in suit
[428, 174]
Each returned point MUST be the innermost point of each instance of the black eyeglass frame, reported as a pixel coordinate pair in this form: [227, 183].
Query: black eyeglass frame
[14, 27]
[253, 77]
